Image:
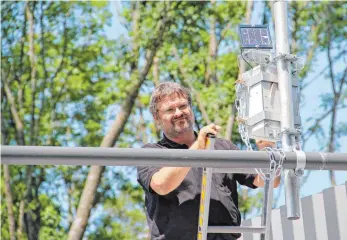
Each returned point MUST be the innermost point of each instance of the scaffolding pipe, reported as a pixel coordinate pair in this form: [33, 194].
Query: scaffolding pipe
[267, 203]
[34, 155]
[229, 229]
[292, 182]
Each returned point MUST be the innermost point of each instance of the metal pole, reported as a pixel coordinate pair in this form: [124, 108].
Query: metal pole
[233, 229]
[292, 186]
[205, 195]
[29, 155]
[266, 215]
[265, 203]
[269, 207]
[287, 113]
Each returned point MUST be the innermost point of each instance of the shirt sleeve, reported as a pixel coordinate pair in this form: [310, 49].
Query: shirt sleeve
[145, 173]
[243, 179]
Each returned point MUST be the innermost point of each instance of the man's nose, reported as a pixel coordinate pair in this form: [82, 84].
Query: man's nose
[178, 112]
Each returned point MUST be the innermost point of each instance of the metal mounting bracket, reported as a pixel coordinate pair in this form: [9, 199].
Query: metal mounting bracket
[300, 162]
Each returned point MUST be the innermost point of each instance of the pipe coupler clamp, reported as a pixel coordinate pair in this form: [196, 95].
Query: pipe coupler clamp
[300, 162]
[286, 56]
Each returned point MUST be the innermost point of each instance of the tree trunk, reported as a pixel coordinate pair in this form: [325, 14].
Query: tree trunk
[142, 127]
[231, 121]
[20, 139]
[188, 83]
[7, 179]
[211, 76]
[32, 59]
[332, 132]
[19, 74]
[88, 195]
[156, 71]
[331, 144]
[9, 202]
[156, 81]
[32, 221]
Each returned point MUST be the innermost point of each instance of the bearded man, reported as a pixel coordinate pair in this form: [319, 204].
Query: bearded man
[172, 194]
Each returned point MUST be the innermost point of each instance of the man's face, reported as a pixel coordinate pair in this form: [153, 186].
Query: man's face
[175, 115]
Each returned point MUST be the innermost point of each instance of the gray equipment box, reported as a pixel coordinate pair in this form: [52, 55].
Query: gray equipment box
[262, 103]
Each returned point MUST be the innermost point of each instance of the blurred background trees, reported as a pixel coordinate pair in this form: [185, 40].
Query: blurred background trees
[66, 82]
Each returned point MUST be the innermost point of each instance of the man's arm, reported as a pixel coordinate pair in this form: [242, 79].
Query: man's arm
[168, 179]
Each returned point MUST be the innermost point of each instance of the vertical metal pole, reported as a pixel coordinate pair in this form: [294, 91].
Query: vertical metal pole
[287, 114]
[264, 215]
[292, 186]
[267, 207]
[205, 194]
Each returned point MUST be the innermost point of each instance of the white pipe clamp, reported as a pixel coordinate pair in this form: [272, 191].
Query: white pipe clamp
[300, 162]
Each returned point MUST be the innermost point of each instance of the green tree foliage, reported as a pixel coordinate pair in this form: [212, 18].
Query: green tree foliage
[210, 72]
[59, 75]
[123, 216]
[63, 81]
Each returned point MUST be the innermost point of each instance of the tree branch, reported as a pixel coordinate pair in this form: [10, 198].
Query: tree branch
[309, 133]
[223, 33]
[342, 81]
[15, 115]
[341, 54]
[62, 62]
[331, 71]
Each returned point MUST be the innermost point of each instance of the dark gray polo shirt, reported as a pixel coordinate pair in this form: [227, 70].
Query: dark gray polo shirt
[175, 215]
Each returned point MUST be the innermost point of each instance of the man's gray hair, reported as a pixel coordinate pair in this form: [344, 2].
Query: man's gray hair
[167, 89]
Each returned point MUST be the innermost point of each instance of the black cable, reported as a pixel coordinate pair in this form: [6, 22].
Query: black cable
[245, 60]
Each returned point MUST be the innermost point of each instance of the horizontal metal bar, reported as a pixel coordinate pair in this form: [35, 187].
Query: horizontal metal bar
[233, 170]
[30, 155]
[229, 229]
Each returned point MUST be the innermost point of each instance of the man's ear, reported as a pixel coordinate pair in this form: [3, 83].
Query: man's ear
[156, 119]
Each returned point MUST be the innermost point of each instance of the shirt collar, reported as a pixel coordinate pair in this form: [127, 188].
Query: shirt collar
[165, 141]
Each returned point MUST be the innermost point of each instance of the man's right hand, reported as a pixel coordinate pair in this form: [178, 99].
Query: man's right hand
[201, 140]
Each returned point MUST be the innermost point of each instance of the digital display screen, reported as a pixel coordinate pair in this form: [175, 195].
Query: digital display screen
[257, 36]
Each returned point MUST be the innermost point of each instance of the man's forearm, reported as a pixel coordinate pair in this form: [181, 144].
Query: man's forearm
[168, 179]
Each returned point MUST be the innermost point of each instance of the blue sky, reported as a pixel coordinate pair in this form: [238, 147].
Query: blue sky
[318, 180]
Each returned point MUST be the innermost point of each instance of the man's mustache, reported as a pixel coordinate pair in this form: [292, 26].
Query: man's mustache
[180, 118]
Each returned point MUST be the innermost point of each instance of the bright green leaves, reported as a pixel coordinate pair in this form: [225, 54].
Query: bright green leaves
[51, 219]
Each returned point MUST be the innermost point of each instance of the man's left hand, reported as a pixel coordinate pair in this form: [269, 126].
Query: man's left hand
[263, 144]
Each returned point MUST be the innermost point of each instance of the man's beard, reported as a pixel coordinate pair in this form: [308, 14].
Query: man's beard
[177, 128]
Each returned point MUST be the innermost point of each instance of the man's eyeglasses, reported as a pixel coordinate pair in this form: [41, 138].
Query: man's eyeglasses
[172, 110]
